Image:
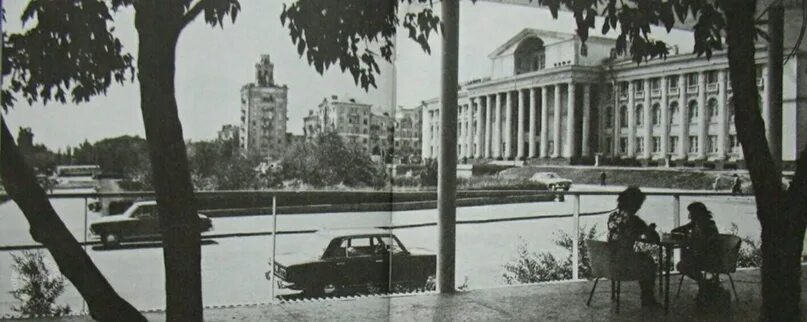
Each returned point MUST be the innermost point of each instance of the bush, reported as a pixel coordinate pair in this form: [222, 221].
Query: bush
[37, 287]
[530, 267]
[750, 250]
[428, 176]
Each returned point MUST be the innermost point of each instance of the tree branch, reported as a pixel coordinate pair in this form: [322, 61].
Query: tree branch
[193, 12]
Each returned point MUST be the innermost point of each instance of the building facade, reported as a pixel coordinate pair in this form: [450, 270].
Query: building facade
[264, 113]
[407, 134]
[551, 98]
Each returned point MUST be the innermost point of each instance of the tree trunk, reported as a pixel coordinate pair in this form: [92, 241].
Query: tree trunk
[780, 215]
[158, 25]
[49, 230]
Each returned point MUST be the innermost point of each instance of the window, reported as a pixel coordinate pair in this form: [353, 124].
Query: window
[609, 144]
[731, 109]
[673, 144]
[640, 145]
[693, 144]
[144, 212]
[675, 113]
[693, 112]
[656, 144]
[655, 84]
[623, 145]
[623, 88]
[713, 110]
[609, 116]
[639, 116]
[638, 86]
[735, 143]
[692, 79]
[656, 114]
[623, 116]
[711, 77]
[713, 144]
[672, 82]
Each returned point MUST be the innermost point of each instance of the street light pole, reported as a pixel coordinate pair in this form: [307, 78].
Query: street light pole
[447, 172]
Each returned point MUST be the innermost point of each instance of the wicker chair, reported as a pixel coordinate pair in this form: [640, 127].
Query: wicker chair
[605, 265]
[727, 250]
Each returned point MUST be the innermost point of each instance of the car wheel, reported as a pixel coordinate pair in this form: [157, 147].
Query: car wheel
[110, 240]
[551, 187]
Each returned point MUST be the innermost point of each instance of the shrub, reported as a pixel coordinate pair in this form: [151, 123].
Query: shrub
[530, 267]
[37, 287]
[428, 176]
[750, 250]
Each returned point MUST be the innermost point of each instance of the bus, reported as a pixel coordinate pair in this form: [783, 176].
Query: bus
[66, 174]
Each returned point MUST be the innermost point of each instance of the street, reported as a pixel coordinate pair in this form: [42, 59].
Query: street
[233, 268]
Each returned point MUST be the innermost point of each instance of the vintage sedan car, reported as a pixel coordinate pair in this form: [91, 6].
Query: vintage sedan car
[552, 181]
[344, 260]
[139, 222]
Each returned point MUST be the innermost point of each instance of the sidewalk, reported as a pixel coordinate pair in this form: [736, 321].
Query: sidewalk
[561, 301]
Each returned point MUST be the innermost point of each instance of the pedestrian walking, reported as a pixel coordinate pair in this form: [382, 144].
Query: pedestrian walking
[603, 176]
[737, 186]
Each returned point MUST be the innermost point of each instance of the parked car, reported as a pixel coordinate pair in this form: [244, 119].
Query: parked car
[140, 221]
[344, 260]
[552, 181]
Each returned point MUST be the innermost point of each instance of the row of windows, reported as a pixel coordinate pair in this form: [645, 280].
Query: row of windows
[691, 80]
[656, 113]
[712, 144]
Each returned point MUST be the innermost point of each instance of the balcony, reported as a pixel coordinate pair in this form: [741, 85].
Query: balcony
[639, 94]
[692, 89]
[672, 91]
[711, 87]
[655, 93]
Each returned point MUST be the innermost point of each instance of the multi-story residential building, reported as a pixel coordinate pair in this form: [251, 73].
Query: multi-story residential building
[228, 132]
[407, 134]
[552, 98]
[264, 113]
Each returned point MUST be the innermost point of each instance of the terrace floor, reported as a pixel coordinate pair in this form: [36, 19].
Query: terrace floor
[561, 301]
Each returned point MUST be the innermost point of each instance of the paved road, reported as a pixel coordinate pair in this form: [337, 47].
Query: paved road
[233, 267]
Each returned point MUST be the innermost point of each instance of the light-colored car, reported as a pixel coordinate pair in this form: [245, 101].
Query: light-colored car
[552, 181]
[139, 222]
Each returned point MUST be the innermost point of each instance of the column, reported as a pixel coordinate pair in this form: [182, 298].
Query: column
[544, 123]
[722, 116]
[585, 149]
[497, 129]
[683, 112]
[480, 130]
[533, 127]
[509, 98]
[460, 141]
[703, 117]
[665, 119]
[648, 126]
[426, 140]
[617, 121]
[491, 104]
[523, 105]
[569, 150]
[469, 133]
[631, 121]
[766, 108]
[556, 121]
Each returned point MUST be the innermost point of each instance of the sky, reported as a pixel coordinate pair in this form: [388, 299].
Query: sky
[213, 64]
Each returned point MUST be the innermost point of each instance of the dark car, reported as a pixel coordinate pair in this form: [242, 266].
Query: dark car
[139, 222]
[343, 260]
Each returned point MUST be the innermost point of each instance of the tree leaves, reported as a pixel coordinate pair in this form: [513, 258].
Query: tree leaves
[70, 51]
[354, 33]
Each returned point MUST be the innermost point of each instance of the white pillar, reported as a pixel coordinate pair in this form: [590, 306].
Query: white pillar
[617, 121]
[523, 105]
[490, 106]
[508, 125]
[544, 123]
[703, 117]
[469, 133]
[722, 116]
[683, 112]
[556, 121]
[585, 140]
[569, 150]
[497, 129]
[480, 129]
[533, 127]
[766, 107]
[648, 126]
[631, 121]
[426, 140]
[665, 119]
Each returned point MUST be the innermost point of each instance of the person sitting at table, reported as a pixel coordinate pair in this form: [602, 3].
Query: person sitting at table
[624, 229]
[701, 231]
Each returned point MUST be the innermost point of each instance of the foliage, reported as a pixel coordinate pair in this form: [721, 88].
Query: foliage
[327, 160]
[341, 32]
[531, 267]
[124, 155]
[428, 176]
[38, 288]
[750, 250]
[217, 165]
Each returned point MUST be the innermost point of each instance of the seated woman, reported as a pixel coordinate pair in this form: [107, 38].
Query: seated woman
[701, 231]
[624, 229]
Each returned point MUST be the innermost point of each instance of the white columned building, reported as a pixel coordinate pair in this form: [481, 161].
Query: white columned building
[567, 107]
